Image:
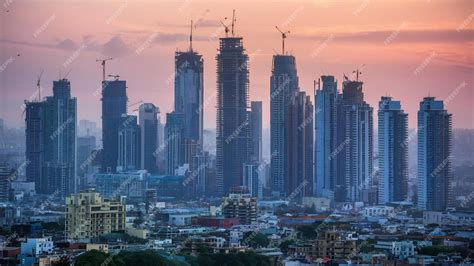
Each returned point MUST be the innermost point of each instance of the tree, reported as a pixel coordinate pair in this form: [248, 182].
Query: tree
[92, 257]
[435, 250]
[124, 258]
[63, 261]
[238, 259]
[285, 244]
[256, 239]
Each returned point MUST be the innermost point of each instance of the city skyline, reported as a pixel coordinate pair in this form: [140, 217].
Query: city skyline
[252, 132]
[417, 51]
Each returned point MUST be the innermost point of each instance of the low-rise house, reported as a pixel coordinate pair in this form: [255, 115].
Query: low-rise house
[37, 246]
[100, 247]
[399, 249]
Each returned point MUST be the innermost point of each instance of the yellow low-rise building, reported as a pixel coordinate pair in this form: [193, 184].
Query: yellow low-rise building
[88, 215]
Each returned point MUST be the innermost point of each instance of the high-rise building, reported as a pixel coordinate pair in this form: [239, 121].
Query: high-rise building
[233, 132]
[35, 145]
[200, 176]
[283, 84]
[148, 121]
[256, 131]
[326, 99]
[174, 141]
[114, 104]
[59, 138]
[435, 172]
[5, 189]
[189, 93]
[354, 151]
[131, 184]
[89, 128]
[240, 204]
[89, 216]
[299, 147]
[392, 151]
[128, 144]
[251, 179]
[85, 146]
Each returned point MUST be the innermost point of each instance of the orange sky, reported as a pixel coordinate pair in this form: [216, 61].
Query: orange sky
[410, 48]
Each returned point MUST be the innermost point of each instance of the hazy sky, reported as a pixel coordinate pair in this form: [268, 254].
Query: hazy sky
[407, 49]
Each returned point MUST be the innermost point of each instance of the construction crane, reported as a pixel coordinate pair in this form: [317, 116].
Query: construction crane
[103, 66]
[38, 85]
[232, 25]
[116, 77]
[141, 101]
[191, 37]
[67, 73]
[345, 77]
[233, 22]
[358, 72]
[283, 37]
[226, 27]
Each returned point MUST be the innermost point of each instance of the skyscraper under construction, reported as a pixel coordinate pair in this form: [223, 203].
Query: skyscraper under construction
[232, 122]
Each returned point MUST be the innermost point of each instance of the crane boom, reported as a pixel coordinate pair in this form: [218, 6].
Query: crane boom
[358, 72]
[226, 28]
[283, 37]
[103, 66]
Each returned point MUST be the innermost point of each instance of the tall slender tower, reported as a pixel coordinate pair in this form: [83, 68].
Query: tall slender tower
[59, 124]
[326, 137]
[114, 104]
[189, 93]
[393, 151]
[174, 142]
[435, 172]
[299, 147]
[128, 144]
[34, 118]
[148, 122]
[355, 145]
[256, 130]
[232, 121]
[283, 84]
[5, 174]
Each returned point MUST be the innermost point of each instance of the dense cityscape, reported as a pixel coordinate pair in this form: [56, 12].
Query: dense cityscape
[344, 182]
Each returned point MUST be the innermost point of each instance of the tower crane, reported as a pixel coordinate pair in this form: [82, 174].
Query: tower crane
[283, 37]
[358, 72]
[191, 37]
[38, 85]
[103, 66]
[226, 27]
[233, 22]
[133, 104]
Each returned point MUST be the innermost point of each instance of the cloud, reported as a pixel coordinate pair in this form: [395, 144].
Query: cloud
[207, 23]
[38, 45]
[115, 47]
[403, 36]
[66, 44]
